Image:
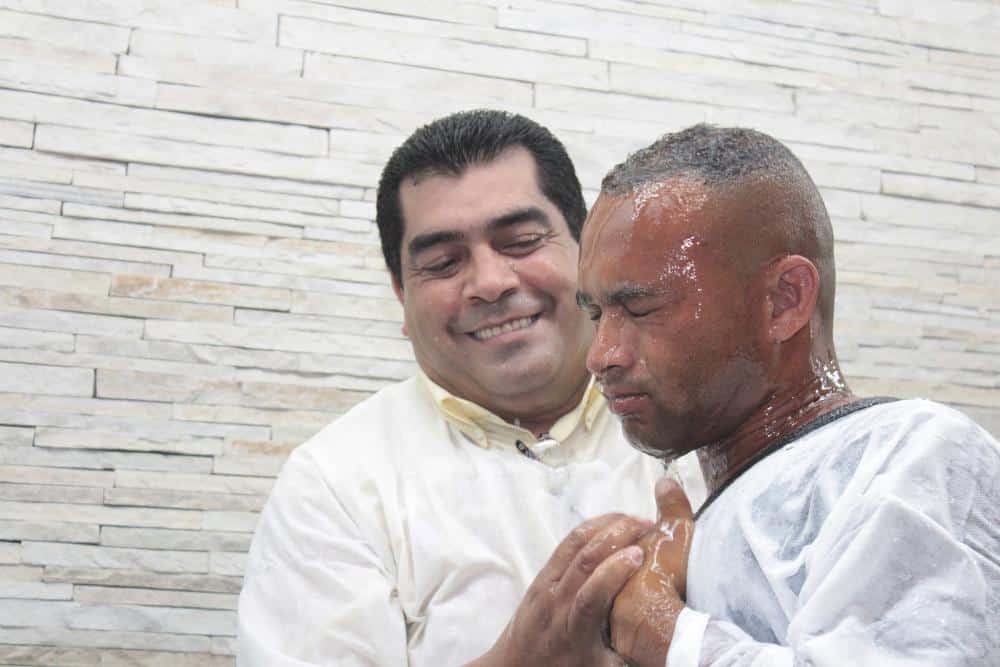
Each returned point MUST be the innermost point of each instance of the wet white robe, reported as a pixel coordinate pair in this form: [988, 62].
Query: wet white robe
[871, 541]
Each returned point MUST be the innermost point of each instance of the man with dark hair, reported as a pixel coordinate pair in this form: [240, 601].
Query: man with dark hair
[838, 530]
[452, 144]
[406, 532]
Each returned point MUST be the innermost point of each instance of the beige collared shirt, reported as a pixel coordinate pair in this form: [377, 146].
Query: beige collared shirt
[486, 429]
[406, 532]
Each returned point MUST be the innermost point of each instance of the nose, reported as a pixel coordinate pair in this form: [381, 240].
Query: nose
[492, 276]
[609, 351]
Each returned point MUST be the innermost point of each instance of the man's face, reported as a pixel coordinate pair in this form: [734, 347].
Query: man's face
[489, 284]
[678, 350]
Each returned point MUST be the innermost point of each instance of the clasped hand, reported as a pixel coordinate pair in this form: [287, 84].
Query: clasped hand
[611, 571]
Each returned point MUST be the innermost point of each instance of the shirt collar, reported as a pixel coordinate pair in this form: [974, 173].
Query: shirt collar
[486, 429]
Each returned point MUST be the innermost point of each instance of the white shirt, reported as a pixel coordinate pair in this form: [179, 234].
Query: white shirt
[871, 541]
[406, 532]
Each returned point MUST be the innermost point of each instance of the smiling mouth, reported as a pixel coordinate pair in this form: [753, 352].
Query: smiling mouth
[513, 325]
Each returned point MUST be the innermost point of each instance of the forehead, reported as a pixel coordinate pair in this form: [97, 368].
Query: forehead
[661, 237]
[648, 220]
[481, 193]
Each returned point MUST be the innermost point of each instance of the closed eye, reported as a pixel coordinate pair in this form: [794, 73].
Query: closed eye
[523, 244]
[440, 266]
[637, 314]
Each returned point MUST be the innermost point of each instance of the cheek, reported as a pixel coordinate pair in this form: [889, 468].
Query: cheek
[551, 274]
[430, 308]
[732, 382]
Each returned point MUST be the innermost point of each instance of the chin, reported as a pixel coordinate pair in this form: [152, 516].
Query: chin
[643, 443]
[651, 446]
[537, 371]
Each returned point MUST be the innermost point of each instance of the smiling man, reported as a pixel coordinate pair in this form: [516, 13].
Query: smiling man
[488, 288]
[838, 530]
[407, 531]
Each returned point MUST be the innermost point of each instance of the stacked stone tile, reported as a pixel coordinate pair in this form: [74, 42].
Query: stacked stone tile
[190, 280]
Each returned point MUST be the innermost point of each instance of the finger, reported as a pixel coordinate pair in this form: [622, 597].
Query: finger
[572, 544]
[624, 531]
[671, 501]
[674, 532]
[592, 602]
[676, 520]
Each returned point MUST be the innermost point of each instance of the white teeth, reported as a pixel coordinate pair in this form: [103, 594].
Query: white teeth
[513, 325]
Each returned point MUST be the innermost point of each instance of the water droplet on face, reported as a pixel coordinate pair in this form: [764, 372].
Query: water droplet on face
[642, 194]
[609, 354]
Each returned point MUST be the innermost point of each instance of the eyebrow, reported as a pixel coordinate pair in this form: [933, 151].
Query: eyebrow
[422, 242]
[621, 295]
[632, 291]
[528, 214]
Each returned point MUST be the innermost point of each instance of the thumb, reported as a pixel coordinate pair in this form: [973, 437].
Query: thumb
[675, 528]
[671, 501]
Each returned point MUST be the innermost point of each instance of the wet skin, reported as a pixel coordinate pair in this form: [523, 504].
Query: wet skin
[560, 619]
[708, 338]
[707, 332]
[645, 612]
[672, 351]
[489, 281]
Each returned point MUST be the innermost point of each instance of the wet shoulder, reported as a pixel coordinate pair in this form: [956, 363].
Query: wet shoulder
[915, 435]
[902, 448]
[915, 453]
[888, 436]
[934, 460]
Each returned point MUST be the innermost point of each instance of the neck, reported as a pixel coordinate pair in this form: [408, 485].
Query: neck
[786, 409]
[541, 420]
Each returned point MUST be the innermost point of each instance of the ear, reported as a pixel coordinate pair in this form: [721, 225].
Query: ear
[792, 292]
[397, 287]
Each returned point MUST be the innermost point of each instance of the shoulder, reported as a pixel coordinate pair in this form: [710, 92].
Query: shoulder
[344, 477]
[933, 439]
[919, 412]
[900, 428]
[360, 454]
[374, 432]
[925, 456]
[919, 428]
[917, 450]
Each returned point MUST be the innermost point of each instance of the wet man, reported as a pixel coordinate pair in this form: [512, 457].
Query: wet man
[406, 532]
[838, 530]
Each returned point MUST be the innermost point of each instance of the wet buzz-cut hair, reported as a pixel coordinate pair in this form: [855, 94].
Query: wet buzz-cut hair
[715, 156]
[722, 158]
[449, 145]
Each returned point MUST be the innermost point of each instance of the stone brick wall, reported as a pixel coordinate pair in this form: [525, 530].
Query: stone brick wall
[190, 283]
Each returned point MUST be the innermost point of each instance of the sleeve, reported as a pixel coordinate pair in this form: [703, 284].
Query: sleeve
[316, 592]
[907, 574]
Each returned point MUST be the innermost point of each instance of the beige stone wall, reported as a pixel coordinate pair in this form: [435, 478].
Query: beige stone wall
[190, 283]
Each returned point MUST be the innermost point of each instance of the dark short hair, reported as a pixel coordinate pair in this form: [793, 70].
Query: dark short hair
[451, 144]
[723, 157]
